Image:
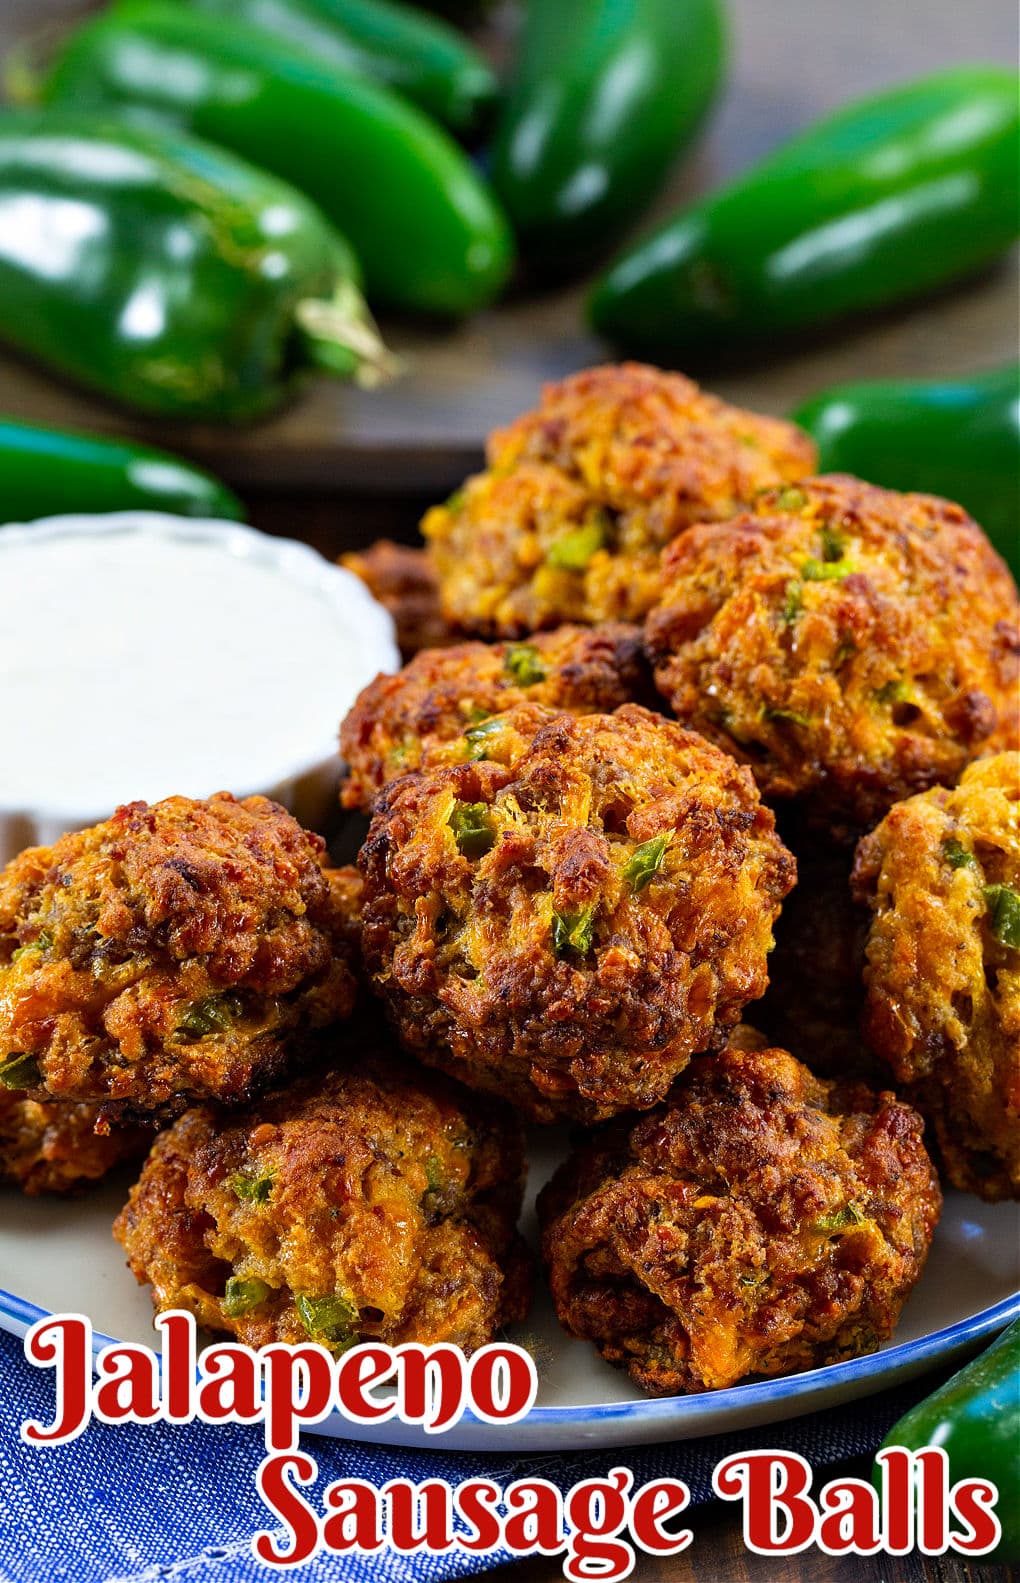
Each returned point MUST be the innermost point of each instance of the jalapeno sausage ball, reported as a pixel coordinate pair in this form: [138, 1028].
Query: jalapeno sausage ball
[941, 875]
[432, 709]
[172, 952]
[815, 997]
[568, 925]
[404, 581]
[760, 1222]
[851, 644]
[370, 1202]
[52, 1147]
[582, 494]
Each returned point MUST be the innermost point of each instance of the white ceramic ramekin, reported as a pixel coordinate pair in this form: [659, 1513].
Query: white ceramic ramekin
[305, 784]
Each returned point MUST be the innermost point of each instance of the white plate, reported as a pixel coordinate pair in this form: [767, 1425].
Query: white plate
[59, 1256]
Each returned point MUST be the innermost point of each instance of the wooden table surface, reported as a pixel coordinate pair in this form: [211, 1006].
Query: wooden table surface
[792, 60]
[339, 468]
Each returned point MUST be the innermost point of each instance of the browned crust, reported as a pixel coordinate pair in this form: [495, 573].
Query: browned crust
[404, 580]
[54, 1148]
[421, 715]
[395, 1191]
[851, 644]
[761, 1222]
[464, 950]
[943, 992]
[116, 939]
[633, 452]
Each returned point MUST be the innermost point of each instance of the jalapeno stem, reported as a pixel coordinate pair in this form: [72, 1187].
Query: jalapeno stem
[339, 334]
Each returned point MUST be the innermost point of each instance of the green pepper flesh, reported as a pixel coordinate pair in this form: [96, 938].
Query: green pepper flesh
[890, 197]
[46, 472]
[605, 95]
[162, 272]
[959, 438]
[429, 236]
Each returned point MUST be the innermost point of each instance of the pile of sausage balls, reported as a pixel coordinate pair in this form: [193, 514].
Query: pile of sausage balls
[693, 820]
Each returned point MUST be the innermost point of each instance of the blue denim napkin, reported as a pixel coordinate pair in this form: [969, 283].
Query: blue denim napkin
[140, 1505]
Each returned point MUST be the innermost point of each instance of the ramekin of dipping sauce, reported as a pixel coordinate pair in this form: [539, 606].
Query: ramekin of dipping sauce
[144, 655]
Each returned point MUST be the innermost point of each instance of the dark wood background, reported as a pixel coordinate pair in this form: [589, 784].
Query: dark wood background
[791, 61]
[340, 467]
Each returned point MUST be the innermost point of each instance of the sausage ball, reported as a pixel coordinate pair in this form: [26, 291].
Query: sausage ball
[851, 644]
[405, 582]
[52, 1147]
[941, 875]
[761, 1222]
[369, 1202]
[815, 998]
[581, 495]
[568, 923]
[431, 710]
[173, 952]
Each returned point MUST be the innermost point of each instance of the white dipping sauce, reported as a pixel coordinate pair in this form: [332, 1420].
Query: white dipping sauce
[137, 665]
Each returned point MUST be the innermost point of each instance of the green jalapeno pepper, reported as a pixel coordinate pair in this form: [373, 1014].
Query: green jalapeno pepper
[890, 197]
[606, 92]
[424, 59]
[46, 472]
[428, 235]
[167, 274]
[975, 1418]
[959, 438]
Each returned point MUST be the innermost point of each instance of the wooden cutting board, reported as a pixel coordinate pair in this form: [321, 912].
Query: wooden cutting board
[792, 61]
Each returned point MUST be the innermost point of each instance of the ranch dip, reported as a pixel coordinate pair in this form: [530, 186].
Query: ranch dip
[137, 664]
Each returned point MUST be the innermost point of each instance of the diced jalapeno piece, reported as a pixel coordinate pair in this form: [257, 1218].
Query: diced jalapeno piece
[572, 551]
[573, 931]
[956, 854]
[241, 1297]
[895, 692]
[791, 717]
[833, 543]
[252, 1189]
[794, 601]
[42, 942]
[523, 664]
[814, 571]
[333, 1320]
[454, 503]
[20, 1071]
[645, 861]
[477, 737]
[1004, 914]
[212, 1015]
[472, 828]
[840, 1219]
[791, 500]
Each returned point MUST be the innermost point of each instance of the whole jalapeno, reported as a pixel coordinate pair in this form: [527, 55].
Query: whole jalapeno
[975, 1418]
[889, 197]
[167, 274]
[954, 437]
[46, 472]
[606, 93]
[421, 57]
[429, 236]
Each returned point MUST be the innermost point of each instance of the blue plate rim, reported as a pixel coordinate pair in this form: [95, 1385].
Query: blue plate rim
[905, 1354]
